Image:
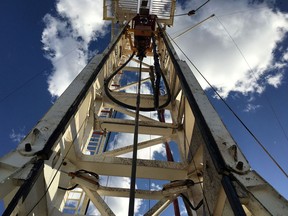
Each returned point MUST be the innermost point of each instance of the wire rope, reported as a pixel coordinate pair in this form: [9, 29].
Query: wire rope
[135, 143]
[20, 87]
[250, 68]
[189, 29]
[231, 110]
[24, 84]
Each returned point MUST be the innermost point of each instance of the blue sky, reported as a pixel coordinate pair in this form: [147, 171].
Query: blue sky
[44, 44]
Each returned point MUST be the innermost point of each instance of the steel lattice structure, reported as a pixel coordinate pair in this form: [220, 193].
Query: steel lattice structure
[61, 159]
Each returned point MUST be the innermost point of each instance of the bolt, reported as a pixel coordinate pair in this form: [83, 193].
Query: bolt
[28, 147]
[239, 165]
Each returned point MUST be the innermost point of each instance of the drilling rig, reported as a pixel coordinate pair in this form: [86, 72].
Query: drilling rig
[140, 88]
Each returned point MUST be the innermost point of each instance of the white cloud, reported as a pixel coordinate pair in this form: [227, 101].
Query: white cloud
[17, 137]
[285, 56]
[251, 107]
[255, 31]
[84, 16]
[155, 187]
[66, 38]
[275, 80]
[67, 55]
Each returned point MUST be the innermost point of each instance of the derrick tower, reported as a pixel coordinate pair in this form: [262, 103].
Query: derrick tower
[133, 97]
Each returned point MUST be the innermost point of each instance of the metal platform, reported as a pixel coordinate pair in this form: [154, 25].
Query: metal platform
[120, 11]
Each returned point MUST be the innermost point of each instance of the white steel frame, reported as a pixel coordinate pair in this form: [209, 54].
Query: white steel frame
[58, 138]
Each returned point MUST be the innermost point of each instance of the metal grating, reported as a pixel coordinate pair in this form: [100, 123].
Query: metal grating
[121, 11]
[162, 8]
